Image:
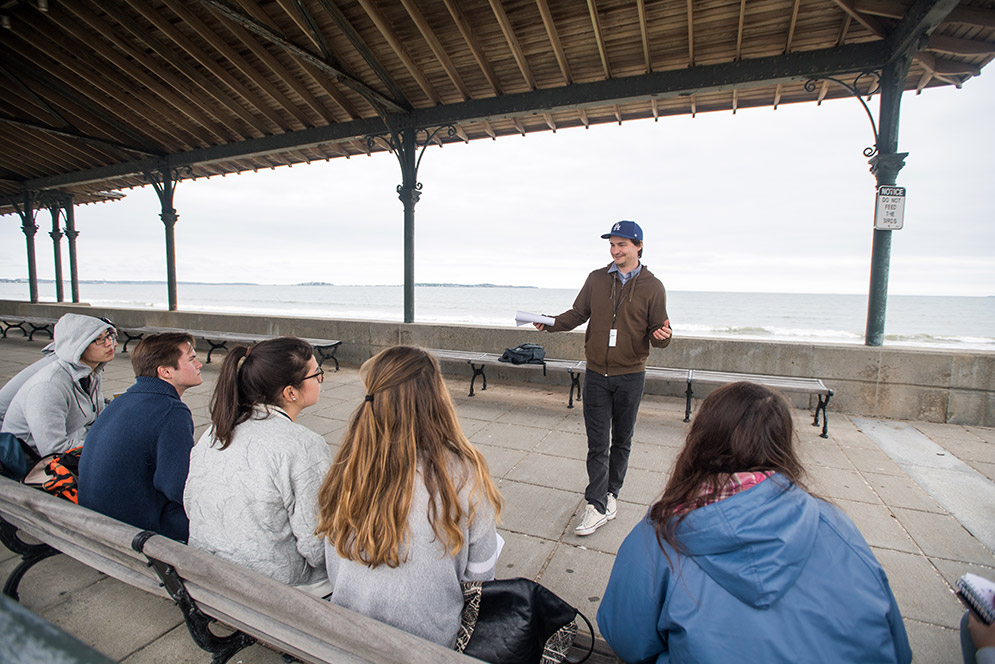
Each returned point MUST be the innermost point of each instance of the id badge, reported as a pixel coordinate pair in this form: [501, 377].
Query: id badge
[612, 337]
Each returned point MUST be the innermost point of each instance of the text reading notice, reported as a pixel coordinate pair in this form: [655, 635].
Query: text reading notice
[889, 210]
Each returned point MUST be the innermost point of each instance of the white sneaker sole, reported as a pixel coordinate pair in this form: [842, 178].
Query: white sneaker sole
[580, 530]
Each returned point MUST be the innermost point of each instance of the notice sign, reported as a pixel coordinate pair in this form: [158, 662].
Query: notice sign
[889, 211]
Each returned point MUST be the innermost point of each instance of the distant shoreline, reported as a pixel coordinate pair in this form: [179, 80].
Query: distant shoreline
[22, 280]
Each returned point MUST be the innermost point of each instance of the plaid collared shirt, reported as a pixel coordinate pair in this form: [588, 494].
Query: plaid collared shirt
[736, 483]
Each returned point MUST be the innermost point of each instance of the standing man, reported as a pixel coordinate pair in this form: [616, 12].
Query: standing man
[626, 307]
[136, 458]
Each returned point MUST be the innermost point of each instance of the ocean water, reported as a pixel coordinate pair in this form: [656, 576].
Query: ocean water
[922, 321]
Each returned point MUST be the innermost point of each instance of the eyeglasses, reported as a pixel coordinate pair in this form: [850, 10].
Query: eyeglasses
[320, 376]
[107, 339]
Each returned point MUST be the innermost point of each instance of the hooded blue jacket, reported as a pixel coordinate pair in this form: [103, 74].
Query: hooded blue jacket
[770, 575]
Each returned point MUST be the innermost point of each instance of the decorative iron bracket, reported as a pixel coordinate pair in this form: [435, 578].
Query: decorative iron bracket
[409, 162]
[854, 90]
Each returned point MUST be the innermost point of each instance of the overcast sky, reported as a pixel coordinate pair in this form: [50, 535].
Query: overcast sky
[763, 200]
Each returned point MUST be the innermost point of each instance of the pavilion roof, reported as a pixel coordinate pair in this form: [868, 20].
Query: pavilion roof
[97, 93]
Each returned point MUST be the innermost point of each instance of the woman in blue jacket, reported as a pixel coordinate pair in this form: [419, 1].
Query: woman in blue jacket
[738, 561]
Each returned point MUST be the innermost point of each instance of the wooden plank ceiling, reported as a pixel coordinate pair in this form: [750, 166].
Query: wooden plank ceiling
[97, 91]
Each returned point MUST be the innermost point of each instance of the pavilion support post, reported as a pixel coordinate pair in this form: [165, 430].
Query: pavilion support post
[56, 210]
[164, 182]
[409, 191]
[71, 235]
[885, 166]
[29, 228]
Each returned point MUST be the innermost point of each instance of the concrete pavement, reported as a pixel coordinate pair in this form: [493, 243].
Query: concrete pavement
[920, 493]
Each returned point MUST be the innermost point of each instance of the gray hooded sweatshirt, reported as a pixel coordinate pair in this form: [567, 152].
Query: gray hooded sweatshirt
[52, 411]
[11, 387]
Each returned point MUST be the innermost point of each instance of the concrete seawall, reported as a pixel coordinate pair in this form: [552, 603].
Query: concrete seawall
[933, 385]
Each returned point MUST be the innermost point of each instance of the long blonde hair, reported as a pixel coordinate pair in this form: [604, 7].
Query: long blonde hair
[406, 418]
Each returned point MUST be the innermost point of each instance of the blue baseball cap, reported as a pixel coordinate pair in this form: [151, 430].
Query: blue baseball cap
[627, 229]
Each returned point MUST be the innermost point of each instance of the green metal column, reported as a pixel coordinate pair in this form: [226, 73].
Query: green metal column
[55, 209]
[29, 228]
[71, 234]
[885, 166]
[164, 182]
[409, 191]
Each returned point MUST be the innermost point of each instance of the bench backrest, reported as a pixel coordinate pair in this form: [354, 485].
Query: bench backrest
[309, 628]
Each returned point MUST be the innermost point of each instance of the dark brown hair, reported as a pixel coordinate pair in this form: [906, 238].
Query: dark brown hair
[267, 368]
[159, 350]
[741, 427]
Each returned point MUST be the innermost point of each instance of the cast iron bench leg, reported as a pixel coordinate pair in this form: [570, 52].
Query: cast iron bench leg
[31, 554]
[327, 353]
[687, 405]
[222, 648]
[215, 346]
[825, 418]
[131, 337]
[574, 385]
[44, 327]
[477, 371]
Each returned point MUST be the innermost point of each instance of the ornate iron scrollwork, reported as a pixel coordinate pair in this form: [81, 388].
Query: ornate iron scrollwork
[392, 141]
[854, 90]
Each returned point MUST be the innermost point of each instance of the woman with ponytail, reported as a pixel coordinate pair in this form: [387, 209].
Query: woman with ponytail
[254, 475]
[408, 508]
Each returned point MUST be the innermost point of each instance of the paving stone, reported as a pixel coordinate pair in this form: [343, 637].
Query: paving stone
[544, 418]
[838, 483]
[471, 426]
[932, 644]
[560, 443]
[658, 458]
[917, 587]
[523, 555]
[951, 570]
[820, 452]
[986, 469]
[579, 576]
[538, 511]
[642, 486]
[50, 581]
[900, 491]
[115, 618]
[867, 460]
[608, 538]
[503, 434]
[852, 438]
[479, 409]
[552, 471]
[878, 525]
[943, 536]
[500, 460]
[969, 450]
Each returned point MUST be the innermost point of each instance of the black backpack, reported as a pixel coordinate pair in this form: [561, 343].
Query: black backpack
[525, 354]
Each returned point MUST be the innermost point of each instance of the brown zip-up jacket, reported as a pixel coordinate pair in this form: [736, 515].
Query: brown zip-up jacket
[635, 310]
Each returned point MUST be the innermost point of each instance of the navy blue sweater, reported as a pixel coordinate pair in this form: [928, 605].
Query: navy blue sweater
[136, 457]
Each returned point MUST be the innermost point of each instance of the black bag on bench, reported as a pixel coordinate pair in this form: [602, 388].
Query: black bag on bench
[525, 354]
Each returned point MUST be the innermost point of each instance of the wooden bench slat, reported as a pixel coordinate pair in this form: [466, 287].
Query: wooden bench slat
[286, 618]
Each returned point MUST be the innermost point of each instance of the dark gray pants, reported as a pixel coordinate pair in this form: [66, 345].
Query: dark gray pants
[610, 407]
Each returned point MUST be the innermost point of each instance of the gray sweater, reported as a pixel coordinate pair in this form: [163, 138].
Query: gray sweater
[255, 502]
[52, 412]
[422, 595]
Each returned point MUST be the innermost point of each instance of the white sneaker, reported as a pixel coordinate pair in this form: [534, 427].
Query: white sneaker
[612, 507]
[593, 519]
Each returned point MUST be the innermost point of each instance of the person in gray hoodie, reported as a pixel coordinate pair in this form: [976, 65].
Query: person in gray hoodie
[11, 387]
[54, 409]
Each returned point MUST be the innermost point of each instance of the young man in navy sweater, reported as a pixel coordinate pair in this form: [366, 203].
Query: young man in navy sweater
[135, 460]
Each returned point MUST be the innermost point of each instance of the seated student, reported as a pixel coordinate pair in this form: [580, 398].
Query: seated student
[53, 410]
[254, 475]
[408, 508]
[737, 559]
[11, 387]
[134, 463]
